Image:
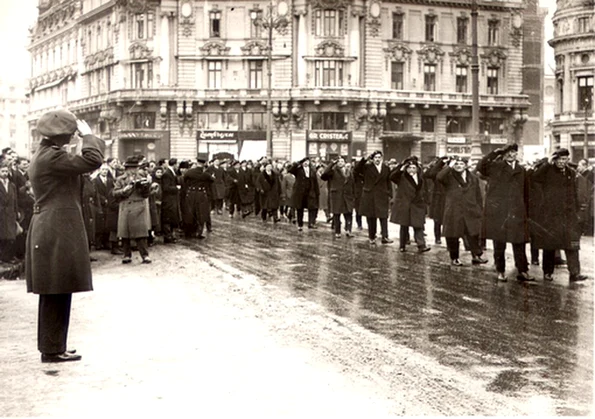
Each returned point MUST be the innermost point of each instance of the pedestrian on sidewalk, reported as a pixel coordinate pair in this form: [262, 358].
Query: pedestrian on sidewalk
[505, 211]
[132, 190]
[57, 260]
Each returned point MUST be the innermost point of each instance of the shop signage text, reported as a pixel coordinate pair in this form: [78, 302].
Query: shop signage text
[217, 135]
[328, 135]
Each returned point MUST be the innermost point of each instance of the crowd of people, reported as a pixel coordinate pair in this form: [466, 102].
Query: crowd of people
[136, 203]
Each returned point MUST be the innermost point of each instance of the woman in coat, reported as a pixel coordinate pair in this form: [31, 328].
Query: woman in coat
[409, 206]
[246, 190]
[134, 219]
[269, 186]
[342, 194]
[462, 208]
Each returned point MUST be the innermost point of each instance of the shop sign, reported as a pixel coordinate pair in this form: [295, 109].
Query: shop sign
[216, 135]
[498, 140]
[148, 135]
[456, 140]
[328, 135]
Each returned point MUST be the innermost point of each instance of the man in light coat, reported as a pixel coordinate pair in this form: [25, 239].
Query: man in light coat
[57, 259]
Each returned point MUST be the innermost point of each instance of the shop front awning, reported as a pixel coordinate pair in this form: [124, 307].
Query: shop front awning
[402, 136]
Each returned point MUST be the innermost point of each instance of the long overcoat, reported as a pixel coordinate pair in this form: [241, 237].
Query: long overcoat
[57, 259]
[462, 203]
[134, 217]
[557, 226]
[409, 205]
[170, 198]
[436, 204]
[505, 209]
[270, 190]
[91, 208]
[218, 186]
[197, 207]
[108, 219]
[376, 189]
[246, 190]
[305, 189]
[323, 196]
[8, 212]
[341, 189]
[287, 183]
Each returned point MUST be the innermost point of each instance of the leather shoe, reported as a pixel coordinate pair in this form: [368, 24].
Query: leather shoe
[386, 240]
[402, 249]
[146, 260]
[477, 260]
[577, 278]
[127, 259]
[525, 277]
[502, 277]
[116, 251]
[63, 357]
[424, 249]
[548, 277]
[456, 262]
[372, 241]
[312, 226]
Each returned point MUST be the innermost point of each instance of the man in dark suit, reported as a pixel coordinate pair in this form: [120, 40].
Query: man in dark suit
[305, 192]
[57, 260]
[376, 194]
[170, 203]
[341, 194]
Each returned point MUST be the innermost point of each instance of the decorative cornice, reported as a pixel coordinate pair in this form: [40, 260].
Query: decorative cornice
[494, 57]
[215, 48]
[139, 51]
[461, 55]
[100, 58]
[330, 4]
[397, 51]
[430, 54]
[254, 48]
[330, 49]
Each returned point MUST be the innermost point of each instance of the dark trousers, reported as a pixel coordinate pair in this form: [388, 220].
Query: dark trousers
[418, 235]
[372, 227]
[437, 230]
[520, 256]
[358, 220]
[246, 208]
[168, 231]
[572, 261]
[270, 213]
[217, 204]
[453, 246]
[337, 222]
[141, 244]
[312, 212]
[7, 250]
[52, 322]
[534, 253]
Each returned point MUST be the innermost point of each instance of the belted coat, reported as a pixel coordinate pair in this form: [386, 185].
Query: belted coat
[505, 209]
[341, 189]
[134, 216]
[57, 258]
[376, 189]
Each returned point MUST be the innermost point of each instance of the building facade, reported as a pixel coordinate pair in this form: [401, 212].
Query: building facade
[574, 46]
[177, 78]
[14, 128]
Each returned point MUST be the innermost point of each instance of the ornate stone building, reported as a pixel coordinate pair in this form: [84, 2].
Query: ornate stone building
[13, 116]
[181, 77]
[574, 46]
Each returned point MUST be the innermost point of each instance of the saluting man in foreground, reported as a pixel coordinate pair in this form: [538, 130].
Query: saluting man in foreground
[57, 259]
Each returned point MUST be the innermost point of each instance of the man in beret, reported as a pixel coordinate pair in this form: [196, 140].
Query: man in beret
[376, 194]
[57, 259]
[505, 211]
[557, 226]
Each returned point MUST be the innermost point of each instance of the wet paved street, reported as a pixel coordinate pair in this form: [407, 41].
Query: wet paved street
[533, 341]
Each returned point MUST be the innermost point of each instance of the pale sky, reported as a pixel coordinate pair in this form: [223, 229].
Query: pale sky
[16, 16]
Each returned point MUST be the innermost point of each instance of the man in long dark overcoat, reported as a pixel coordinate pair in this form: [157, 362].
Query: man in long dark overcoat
[409, 205]
[305, 192]
[170, 201]
[246, 189]
[557, 226]
[376, 194]
[197, 207]
[505, 210]
[218, 186]
[57, 260]
[341, 194]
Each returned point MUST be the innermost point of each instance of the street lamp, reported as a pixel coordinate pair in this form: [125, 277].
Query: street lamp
[586, 107]
[274, 19]
[475, 140]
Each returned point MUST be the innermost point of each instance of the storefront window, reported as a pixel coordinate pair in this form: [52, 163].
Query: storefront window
[329, 121]
[254, 121]
[144, 120]
[457, 124]
[398, 123]
[219, 120]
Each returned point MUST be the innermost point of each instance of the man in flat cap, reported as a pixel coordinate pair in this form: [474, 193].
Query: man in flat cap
[505, 211]
[57, 259]
[376, 194]
[556, 226]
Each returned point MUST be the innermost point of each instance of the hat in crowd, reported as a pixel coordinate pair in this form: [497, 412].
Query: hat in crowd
[510, 147]
[235, 163]
[201, 160]
[392, 161]
[222, 161]
[243, 161]
[376, 153]
[304, 159]
[561, 152]
[461, 158]
[59, 122]
[131, 161]
[184, 165]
